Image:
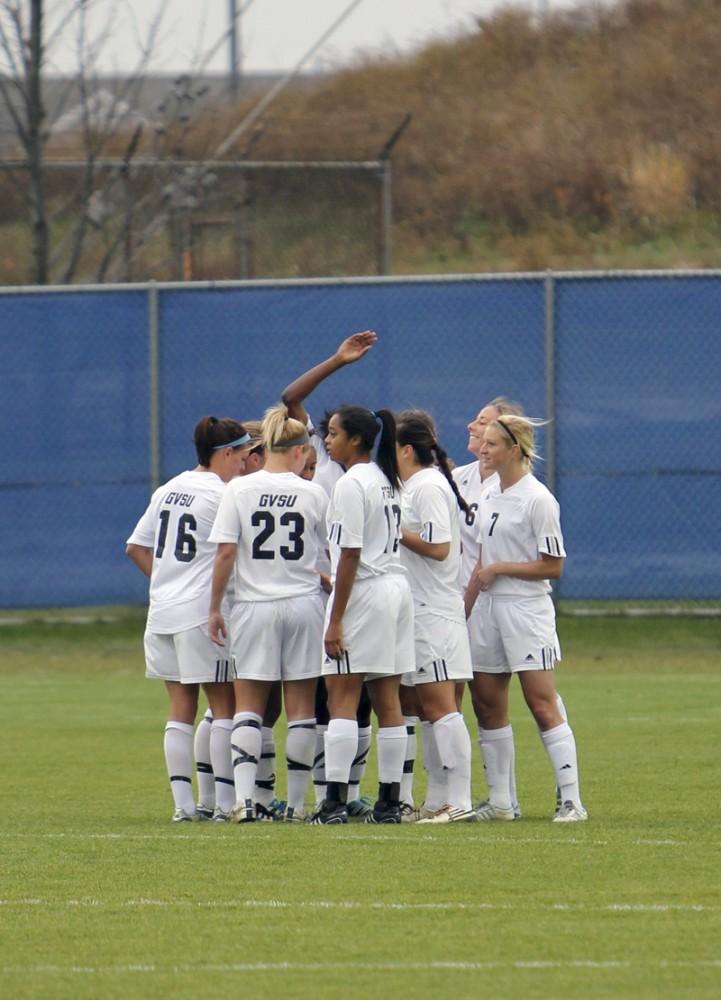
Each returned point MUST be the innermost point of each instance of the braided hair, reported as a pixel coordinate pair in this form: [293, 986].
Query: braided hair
[417, 428]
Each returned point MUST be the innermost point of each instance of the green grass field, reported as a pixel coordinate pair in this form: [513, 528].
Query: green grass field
[100, 896]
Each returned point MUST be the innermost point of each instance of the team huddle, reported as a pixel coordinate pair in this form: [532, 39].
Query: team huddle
[345, 568]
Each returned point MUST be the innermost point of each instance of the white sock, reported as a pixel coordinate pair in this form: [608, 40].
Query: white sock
[560, 745]
[178, 748]
[246, 743]
[299, 751]
[341, 746]
[454, 750]
[265, 779]
[437, 777]
[391, 745]
[359, 761]
[498, 753]
[561, 707]
[203, 767]
[512, 777]
[221, 760]
[319, 764]
[410, 722]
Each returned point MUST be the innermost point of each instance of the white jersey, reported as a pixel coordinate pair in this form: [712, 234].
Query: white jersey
[518, 525]
[327, 472]
[468, 480]
[176, 526]
[364, 513]
[428, 508]
[277, 521]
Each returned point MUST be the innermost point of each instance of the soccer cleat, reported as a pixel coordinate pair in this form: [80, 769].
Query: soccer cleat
[181, 816]
[360, 807]
[203, 812]
[243, 812]
[329, 813]
[385, 812]
[447, 814]
[409, 813]
[219, 816]
[570, 812]
[516, 806]
[417, 814]
[292, 815]
[274, 810]
[487, 811]
[450, 814]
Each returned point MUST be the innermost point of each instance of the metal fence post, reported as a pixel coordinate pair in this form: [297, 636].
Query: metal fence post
[550, 338]
[154, 383]
[550, 332]
[384, 257]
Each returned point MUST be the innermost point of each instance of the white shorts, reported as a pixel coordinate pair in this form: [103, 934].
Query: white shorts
[442, 651]
[474, 624]
[377, 629]
[189, 657]
[517, 634]
[277, 640]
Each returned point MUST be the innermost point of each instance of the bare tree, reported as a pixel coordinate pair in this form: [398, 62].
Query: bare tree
[103, 114]
[21, 43]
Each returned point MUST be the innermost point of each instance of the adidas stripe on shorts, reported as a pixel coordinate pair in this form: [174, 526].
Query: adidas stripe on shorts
[510, 635]
[442, 651]
[377, 629]
[189, 657]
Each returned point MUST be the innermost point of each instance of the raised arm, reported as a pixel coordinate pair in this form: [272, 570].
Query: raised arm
[352, 348]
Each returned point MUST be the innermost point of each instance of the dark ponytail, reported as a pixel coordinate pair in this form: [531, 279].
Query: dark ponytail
[386, 456]
[213, 433]
[417, 428]
[365, 424]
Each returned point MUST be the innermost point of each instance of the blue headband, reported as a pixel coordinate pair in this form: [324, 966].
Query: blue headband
[232, 444]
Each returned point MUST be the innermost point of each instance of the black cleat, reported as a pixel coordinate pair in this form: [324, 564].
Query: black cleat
[385, 812]
[329, 813]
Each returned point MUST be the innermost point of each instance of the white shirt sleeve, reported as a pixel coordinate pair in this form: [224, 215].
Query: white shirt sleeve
[433, 514]
[348, 522]
[227, 527]
[144, 530]
[546, 523]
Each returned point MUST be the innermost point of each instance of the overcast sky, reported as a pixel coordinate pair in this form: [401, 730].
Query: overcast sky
[276, 34]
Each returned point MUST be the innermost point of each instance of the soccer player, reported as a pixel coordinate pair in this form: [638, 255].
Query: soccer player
[326, 474]
[521, 550]
[472, 479]
[267, 804]
[171, 545]
[431, 553]
[270, 528]
[369, 617]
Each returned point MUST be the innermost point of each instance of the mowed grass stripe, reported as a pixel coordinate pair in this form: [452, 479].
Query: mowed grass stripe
[321, 904]
[449, 966]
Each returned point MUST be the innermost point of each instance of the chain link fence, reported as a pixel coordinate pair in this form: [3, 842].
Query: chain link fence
[183, 220]
[100, 389]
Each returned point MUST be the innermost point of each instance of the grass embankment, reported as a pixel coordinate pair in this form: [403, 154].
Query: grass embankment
[591, 139]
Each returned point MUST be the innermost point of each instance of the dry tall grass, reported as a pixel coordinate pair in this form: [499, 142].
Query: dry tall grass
[599, 120]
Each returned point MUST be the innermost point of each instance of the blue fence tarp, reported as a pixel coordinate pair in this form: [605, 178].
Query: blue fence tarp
[635, 383]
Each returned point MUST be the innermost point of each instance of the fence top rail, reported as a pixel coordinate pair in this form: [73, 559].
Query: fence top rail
[394, 279]
[204, 165]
